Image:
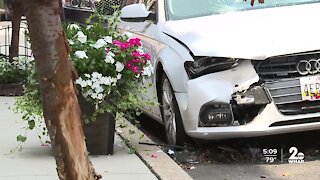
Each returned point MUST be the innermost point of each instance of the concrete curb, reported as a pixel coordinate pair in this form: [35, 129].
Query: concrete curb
[158, 161]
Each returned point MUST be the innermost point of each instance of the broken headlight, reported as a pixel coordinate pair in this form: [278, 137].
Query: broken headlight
[205, 65]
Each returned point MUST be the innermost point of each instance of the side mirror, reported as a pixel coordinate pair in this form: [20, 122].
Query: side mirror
[135, 13]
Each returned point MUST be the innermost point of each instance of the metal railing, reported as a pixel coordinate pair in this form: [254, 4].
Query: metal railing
[5, 42]
[24, 48]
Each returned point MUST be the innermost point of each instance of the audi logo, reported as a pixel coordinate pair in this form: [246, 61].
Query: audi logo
[305, 67]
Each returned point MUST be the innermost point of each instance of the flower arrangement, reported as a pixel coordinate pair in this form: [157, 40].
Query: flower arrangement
[110, 66]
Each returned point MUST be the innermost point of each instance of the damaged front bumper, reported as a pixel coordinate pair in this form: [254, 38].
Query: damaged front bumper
[233, 103]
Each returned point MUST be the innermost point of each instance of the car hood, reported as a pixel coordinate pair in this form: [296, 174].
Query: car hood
[254, 34]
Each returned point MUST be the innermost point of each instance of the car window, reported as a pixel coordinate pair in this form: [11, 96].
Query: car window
[182, 9]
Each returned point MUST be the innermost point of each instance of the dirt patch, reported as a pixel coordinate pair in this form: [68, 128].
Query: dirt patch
[14, 89]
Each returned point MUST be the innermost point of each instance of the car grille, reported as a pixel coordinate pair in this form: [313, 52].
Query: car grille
[106, 6]
[282, 66]
[286, 95]
[282, 80]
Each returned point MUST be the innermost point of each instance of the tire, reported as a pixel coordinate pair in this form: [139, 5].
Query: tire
[171, 117]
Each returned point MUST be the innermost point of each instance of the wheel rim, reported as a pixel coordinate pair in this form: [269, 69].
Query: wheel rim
[169, 116]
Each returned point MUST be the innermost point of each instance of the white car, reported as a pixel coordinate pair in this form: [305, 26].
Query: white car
[224, 69]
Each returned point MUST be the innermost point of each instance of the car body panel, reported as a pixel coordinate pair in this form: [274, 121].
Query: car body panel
[216, 87]
[260, 126]
[255, 34]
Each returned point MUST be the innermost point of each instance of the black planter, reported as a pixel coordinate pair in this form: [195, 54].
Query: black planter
[99, 134]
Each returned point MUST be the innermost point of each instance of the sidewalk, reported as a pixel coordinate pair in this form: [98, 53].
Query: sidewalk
[36, 162]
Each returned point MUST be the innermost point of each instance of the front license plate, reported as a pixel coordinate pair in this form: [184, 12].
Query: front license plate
[310, 88]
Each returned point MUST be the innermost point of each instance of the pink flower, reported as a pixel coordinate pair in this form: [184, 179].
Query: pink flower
[124, 46]
[136, 60]
[147, 56]
[135, 69]
[117, 42]
[136, 54]
[135, 41]
[129, 65]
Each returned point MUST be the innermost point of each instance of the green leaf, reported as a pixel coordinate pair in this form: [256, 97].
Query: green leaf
[21, 138]
[31, 124]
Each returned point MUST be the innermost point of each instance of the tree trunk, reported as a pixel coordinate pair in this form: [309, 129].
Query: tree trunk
[17, 13]
[60, 104]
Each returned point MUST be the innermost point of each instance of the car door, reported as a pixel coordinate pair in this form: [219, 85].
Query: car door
[149, 34]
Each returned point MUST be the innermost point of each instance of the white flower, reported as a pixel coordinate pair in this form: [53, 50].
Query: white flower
[114, 81]
[89, 27]
[119, 66]
[99, 44]
[108, 39]
[73, 26]
[81, 54]
[87, 75]
[119, 76]
[89, 82]
[106, 81]
[71, 42]
[95, 85]
[81, 82]
[81, 37]
[96, 75]
[100, 96]
[89, 92]
[99, 89]
[94, 95]
[109, 59]
[110, 53]
[147, 71]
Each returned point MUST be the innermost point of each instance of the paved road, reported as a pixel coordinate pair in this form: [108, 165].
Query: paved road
[309, 171]
[243, 158]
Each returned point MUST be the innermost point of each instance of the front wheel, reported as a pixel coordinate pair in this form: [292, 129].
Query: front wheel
[171, 116]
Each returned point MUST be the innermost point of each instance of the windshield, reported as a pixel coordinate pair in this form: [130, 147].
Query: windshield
[183, 9]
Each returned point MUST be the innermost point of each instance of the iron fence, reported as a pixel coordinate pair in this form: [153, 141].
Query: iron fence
[5, 42]
[24, 49]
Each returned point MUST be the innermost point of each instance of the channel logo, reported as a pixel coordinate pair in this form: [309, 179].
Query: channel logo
[296, 156]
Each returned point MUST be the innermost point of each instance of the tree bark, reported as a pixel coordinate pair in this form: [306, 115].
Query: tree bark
[60, 104]
[17, 13]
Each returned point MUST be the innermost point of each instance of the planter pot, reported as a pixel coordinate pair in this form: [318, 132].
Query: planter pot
[99, 134]
[12, 89]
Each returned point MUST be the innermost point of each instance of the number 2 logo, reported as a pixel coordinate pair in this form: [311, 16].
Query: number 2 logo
[295, 155]
[293, 151]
